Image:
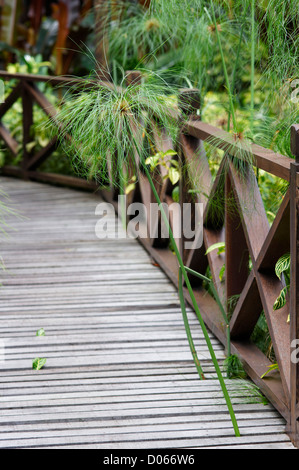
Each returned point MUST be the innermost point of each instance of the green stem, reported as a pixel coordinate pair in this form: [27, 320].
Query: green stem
[187, 328]
[228, 86]
[219, 303]
[200, 276]
[252, 65]
[123, 214]
[236, 64]
[194, 303]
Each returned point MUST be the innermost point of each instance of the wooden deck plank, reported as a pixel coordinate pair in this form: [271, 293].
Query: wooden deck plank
[119, 373]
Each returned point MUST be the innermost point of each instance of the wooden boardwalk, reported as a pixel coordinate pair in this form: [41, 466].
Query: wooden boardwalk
[119, 373]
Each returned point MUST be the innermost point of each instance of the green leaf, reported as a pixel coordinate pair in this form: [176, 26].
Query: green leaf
[175, 164]
[153, 161]
[169, 153]
[176, 194]
[271, 368]
[217, 246]
[283, 265]
[30, 146]
[130, 188]
[174, 175]
[43, 141]
[38, 363]
[41, 332]
[221, 273]
[281, 300]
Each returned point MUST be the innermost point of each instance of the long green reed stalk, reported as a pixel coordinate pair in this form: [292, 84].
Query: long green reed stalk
[225, 71]
[219, 303]
[187, 328]
[252, 78]
[195, 306]
[234, 76]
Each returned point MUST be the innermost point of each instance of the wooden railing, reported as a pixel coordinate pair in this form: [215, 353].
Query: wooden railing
[246, 232]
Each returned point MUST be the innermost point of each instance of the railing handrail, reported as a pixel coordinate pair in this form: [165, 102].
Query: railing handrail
[66, 80]
[274, 163]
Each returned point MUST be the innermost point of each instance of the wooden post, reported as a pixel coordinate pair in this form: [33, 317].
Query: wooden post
[295, 141]
[293, 425]
[27, 126]
[236, 250]
[190, 105]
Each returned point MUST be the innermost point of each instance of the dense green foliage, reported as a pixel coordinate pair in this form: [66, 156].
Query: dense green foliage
[13, 119]
[181, 36]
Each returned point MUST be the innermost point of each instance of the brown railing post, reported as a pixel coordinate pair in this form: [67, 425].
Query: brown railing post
[27, 126]
[236, 248]
[189, 102]
[294, 292]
